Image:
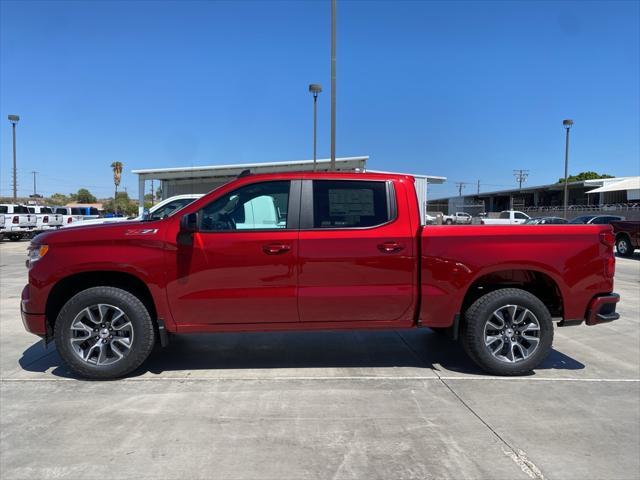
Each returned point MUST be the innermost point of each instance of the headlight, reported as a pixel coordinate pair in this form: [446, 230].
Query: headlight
[35, 253]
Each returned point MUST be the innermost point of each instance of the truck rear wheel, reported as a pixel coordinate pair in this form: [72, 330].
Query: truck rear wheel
[104, 332]
[507, 332]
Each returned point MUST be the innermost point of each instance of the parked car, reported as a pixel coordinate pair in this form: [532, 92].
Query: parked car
[160, 210]
[45, 218]
[344, 251]
[18, 222]
[545, 221]
[596, 219]
[459, 218]
[507, 217]
[627, 237]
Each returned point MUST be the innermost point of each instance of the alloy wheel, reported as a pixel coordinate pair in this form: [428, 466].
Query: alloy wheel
[512, 333]
[101, 334]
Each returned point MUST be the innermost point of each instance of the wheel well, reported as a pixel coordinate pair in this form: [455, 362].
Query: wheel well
[69, 286]
[534, 282]
[620, 235]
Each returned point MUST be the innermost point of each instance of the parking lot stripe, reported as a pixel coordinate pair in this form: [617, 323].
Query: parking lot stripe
[329, 378]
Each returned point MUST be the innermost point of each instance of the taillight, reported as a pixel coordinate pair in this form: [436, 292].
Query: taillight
[610, 267]
[608, 240]
[69, 220]
[45, 219]
[15, 220]
[481, 222]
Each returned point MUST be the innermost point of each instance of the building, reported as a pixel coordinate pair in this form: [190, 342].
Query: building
[622, 193]
[181, 180]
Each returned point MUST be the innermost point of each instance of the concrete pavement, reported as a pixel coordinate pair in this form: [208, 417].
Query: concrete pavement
[403, 404]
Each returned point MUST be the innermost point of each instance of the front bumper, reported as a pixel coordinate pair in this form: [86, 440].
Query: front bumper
[35, 323]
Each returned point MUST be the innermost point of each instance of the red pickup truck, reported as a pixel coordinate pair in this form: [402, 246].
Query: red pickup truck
[313, 251]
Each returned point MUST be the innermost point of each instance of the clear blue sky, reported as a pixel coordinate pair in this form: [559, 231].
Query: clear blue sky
[467, 90]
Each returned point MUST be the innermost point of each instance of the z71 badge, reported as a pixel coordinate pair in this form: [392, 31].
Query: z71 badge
[142, 231]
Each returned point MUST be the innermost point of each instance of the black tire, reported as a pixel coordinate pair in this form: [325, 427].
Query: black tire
[136, 313]
[481, 311]
[624, 247]
[15, 238]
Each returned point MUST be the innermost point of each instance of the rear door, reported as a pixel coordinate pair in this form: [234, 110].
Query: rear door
[357, 256]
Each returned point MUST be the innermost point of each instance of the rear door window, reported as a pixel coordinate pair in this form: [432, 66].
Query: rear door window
[350, 203]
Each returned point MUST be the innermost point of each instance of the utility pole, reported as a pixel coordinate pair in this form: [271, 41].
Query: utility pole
[35, 191]
[153, 193]
[478, 187]
[333, 85]
[521, 176]
[14, 119]
[460, 186]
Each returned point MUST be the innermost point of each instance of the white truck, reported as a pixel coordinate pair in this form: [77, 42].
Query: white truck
[18, 222]
[69, 214]
[157, 212]
[45, 218]
[459, 218]
[507, 217]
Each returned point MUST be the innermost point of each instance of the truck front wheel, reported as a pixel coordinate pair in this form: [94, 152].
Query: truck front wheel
[507, 332]
[104, 332]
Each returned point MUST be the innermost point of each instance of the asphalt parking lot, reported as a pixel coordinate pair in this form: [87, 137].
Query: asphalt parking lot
[404, 404]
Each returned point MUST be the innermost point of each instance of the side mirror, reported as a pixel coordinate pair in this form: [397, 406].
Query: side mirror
[189, 223]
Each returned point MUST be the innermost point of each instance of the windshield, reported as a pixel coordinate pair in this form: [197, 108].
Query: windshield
[169, 209]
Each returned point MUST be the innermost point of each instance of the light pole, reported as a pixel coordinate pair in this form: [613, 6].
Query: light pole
[315, 89]
[14, 119]
[567, 126]
[333, 85]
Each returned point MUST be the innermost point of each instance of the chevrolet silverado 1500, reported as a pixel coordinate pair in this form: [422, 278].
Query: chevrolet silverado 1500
[313, 251]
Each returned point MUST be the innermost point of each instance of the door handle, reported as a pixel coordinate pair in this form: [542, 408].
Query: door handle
[276, 248]
[390, 247]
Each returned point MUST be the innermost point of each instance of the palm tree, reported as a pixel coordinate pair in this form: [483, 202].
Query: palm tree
[117, 176]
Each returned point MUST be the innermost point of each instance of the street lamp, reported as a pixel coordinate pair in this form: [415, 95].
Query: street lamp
[14, 119]
[315, 89]
[567, 124]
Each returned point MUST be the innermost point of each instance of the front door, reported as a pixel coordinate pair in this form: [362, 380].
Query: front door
[356, 254]
[241, 266]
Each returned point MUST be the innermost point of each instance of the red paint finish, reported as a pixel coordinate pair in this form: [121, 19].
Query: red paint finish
[394, 275]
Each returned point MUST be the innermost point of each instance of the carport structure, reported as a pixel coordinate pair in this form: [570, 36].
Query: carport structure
[183, 180]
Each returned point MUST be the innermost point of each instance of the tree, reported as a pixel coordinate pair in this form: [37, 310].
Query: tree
[59, 199]
[85, 196]
[117, 176]
[121, 204]
[585, 176]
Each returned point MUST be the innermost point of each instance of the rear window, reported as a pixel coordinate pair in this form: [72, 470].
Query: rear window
[520, 216]
[349, 204]
[61, 211]
[20, 209]
[504, 215]
[31, 209]
[93, 211]
[77, 211]
[45, 210]
[583, 219]
[4, 209]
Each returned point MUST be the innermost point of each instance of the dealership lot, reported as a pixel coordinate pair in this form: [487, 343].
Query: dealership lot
[405, 404]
